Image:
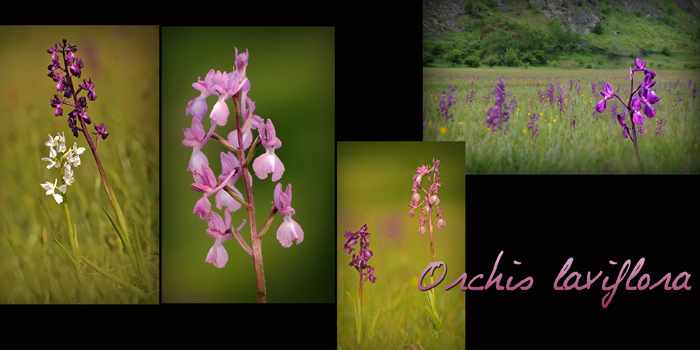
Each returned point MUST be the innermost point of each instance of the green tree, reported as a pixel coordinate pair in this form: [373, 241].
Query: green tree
[472, 61]
[491, 60]
[598, 28]
[453, 57]
[497, 43]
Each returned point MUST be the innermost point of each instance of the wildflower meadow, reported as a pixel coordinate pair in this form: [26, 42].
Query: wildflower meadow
[545, 121]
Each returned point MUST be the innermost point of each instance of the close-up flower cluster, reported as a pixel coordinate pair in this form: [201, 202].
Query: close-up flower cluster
[63, 76]
[64, 159]
[234, 163]
[430, 197]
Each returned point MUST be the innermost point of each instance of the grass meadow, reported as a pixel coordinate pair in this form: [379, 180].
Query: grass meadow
[374, 188]
[123, 63]
[595, 144]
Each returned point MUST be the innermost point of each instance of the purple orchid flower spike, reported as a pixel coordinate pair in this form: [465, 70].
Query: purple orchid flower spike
[195, 138]
[268, 162]
[607, 94]
[198, 106]
[290, 229]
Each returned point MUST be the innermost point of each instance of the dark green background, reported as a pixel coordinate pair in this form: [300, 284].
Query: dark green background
[292, 75]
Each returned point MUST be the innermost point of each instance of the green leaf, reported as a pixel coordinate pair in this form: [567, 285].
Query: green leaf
[128, 286]
[358, 323]
[370, 335]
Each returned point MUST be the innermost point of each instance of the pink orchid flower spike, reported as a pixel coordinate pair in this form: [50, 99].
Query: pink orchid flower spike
[268, 162]
[290, 229]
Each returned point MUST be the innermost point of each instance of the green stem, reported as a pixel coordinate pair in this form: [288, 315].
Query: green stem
[73, 242]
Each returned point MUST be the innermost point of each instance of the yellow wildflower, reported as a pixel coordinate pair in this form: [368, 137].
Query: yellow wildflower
[541, 114]
[443, 130]
[461, 122]
[524, 131]
[555, 120]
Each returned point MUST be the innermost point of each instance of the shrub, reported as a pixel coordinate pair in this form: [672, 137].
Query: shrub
[666, 51]
[491, 60]
[638, 13]
[510, 59]
[490, 3]
[453, 56]
[526, 65]
[472, 61]
[427, 58]
[598, 28]
[470, 9]
[565, 4]
[670, 10]
[579, 3]
[642, 52]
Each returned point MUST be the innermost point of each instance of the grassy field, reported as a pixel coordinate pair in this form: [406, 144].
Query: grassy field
[33, 266]
[379, 198]
[669, 143]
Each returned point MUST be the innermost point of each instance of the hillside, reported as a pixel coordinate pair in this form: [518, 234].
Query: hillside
[665, 32]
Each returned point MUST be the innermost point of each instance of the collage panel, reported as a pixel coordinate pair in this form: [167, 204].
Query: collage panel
[80, 153]
[212, 77]
[398, 203]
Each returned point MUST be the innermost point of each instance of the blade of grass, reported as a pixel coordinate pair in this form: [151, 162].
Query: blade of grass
[128, 286]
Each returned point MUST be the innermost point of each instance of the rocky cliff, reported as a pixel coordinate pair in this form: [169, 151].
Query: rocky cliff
[440, 15]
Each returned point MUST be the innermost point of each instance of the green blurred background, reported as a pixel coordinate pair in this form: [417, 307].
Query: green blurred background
[123, 63]
[374, 188]
[292, 75]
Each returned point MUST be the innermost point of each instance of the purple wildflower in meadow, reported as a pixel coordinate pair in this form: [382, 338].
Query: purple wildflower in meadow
[550, 93]
[498, 114]
[646, 97]
[695, 91]
[532, 124]
[451, 100]
[561, 99]
[660, 127]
